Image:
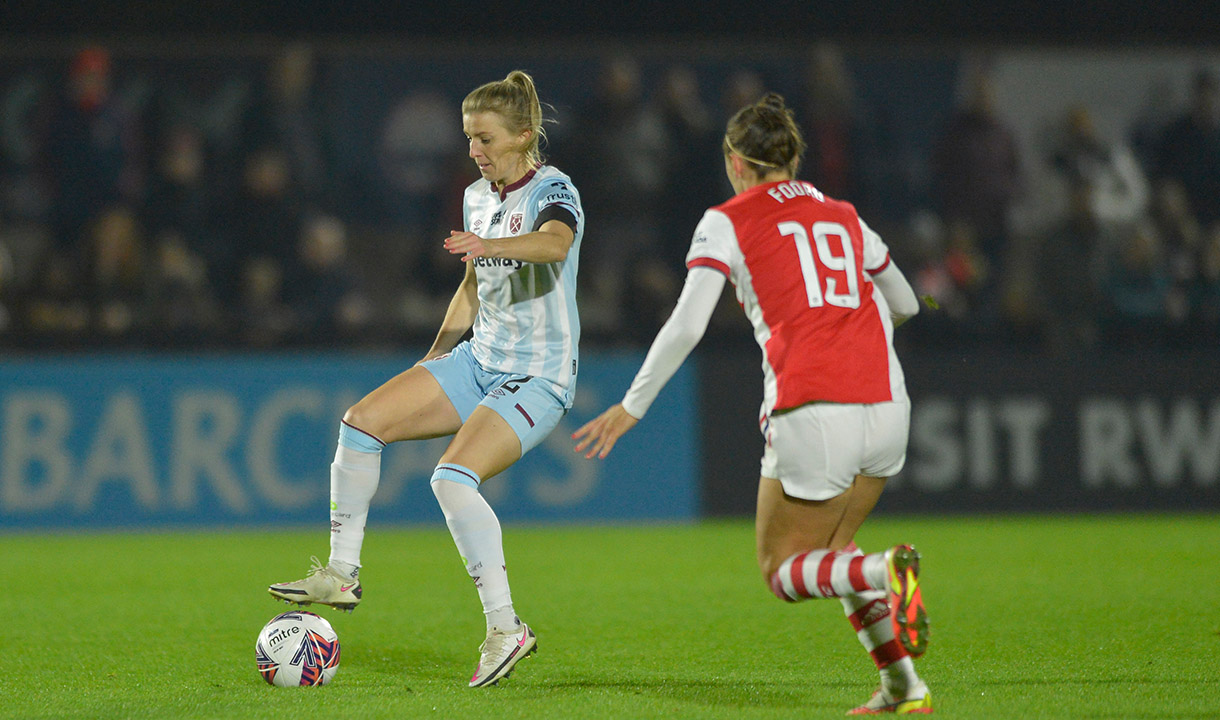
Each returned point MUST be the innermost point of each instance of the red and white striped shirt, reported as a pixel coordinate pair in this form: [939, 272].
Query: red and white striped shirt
[802, 265]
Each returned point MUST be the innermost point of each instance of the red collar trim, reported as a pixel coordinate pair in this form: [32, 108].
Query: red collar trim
[520, 183]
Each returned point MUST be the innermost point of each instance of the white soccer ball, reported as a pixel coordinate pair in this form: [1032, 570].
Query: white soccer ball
[297, 648]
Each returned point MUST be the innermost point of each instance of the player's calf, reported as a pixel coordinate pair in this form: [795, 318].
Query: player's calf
[828, 573]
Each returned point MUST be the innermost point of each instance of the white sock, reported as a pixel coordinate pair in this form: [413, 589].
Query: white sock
[354, 476]
[504, 619]
[345, 569]
[476, 532]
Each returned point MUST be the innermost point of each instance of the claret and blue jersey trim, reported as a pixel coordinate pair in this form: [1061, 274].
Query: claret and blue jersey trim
[520, 183]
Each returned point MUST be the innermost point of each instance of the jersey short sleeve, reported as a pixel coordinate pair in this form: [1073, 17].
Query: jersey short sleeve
[876, 252]
[714, 244]
[551, 195]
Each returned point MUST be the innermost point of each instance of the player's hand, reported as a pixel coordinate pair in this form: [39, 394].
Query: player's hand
[600, 433]
[466, 244]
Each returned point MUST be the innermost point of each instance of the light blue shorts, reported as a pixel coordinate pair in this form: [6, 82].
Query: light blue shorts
[531, 406]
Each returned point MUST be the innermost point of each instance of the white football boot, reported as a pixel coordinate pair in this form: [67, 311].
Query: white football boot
[323, 586]
[501, 652]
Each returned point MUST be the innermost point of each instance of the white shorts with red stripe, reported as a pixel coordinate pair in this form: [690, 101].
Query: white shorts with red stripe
[817, 450]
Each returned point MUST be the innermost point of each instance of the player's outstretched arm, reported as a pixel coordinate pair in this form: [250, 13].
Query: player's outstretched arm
[602, 432]
[673, 343]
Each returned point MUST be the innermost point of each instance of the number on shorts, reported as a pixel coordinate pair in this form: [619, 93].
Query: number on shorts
[515, 384]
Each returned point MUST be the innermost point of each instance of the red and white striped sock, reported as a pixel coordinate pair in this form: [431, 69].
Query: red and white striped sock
[827, 573]
[869, 614]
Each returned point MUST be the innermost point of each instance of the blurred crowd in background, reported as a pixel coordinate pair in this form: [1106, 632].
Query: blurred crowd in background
[133, 215]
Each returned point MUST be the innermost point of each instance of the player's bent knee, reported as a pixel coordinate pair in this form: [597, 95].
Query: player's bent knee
[768, 566]
[357, 416]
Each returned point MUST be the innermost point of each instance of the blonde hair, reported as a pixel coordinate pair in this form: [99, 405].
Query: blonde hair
[766, 136]
[515, 100]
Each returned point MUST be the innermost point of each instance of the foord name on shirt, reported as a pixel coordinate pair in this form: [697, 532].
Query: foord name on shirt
[792, 189]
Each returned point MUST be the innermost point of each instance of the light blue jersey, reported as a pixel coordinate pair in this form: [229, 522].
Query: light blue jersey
[527, 322]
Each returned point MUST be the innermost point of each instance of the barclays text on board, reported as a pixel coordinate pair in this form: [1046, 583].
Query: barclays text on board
[125, 441]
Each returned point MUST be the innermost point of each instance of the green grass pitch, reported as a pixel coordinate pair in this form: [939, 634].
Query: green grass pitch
[1033, 617]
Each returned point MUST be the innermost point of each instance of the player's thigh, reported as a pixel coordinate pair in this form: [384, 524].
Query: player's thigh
[486, 444]
[787, 525]
[883, 454]
[861, 499]
[410, 406]
[810, 463]
[513, 418]
[531, 406]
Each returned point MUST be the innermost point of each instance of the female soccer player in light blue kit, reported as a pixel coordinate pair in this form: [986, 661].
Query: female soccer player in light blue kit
[499, 393]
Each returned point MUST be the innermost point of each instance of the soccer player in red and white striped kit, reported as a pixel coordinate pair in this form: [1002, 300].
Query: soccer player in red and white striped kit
[823, 296]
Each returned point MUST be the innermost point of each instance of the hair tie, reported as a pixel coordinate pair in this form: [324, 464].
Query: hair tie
[745, 157]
